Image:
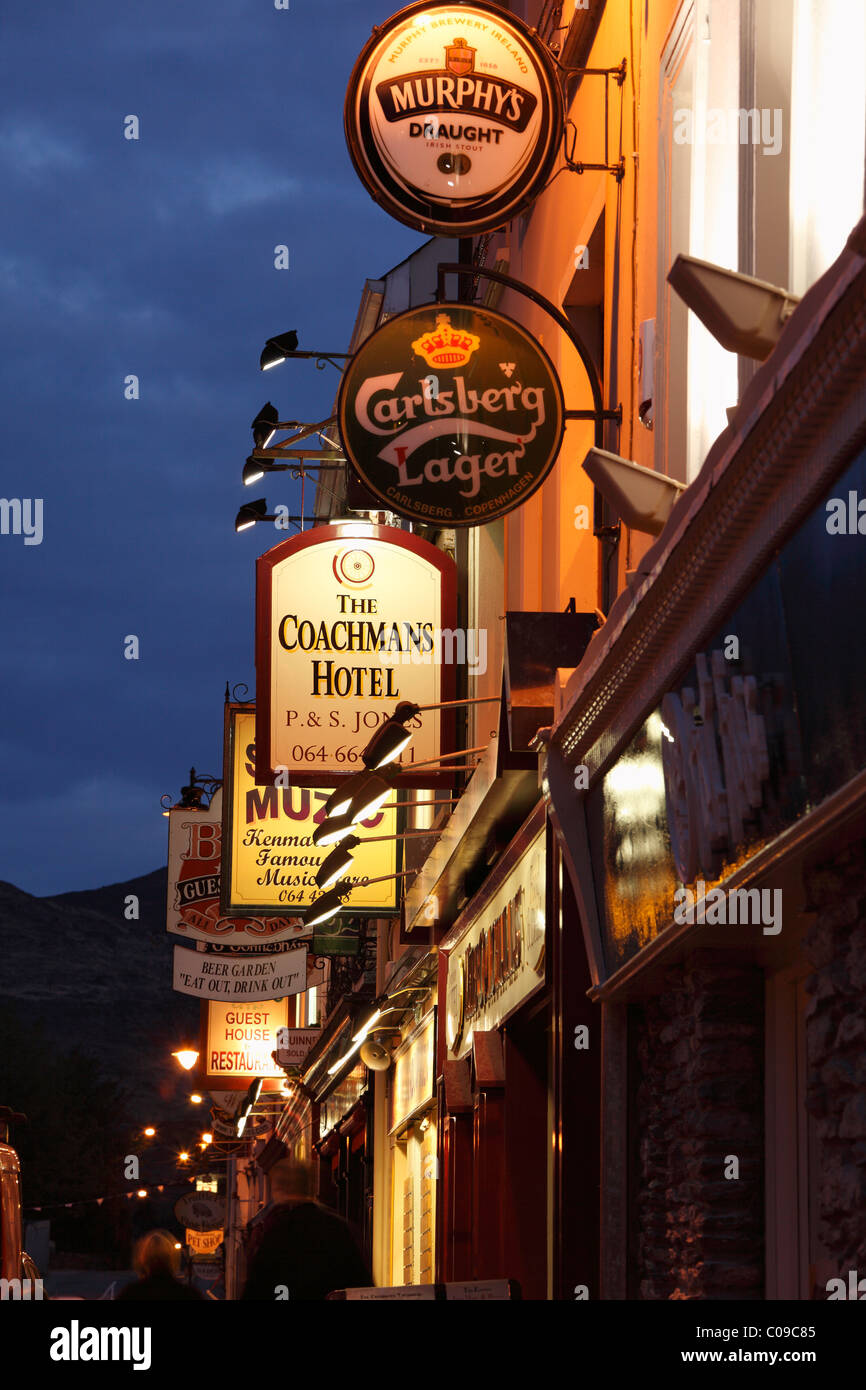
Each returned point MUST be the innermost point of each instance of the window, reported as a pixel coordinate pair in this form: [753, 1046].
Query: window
[701, 129]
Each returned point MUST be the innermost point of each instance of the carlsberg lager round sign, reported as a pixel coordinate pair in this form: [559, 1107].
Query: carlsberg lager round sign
[451, 414]
[453, 117]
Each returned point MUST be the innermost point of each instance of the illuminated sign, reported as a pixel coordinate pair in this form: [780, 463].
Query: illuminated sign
[349, 622]
[414, 1076]
[466, 444]
[204, 1243]
[453, 117]
[497, 960]
[270, 859]
[206, 976]
[193, 908]
[239, 1040]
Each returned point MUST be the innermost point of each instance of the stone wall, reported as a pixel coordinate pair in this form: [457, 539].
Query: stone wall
[699, 1100]
[835, 946]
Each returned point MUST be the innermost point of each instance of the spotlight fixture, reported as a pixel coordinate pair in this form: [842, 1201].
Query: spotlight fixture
[250, 513]
[643, 497]
[372, 792]
[359, 796]
[328, 905]
[276, 350]
[337, 862]
[263, 427]
[253, 472]
[745, 315]
[332, 831]
[391, 738]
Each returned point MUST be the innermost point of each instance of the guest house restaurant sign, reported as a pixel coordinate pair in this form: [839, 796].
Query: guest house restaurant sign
[350, 620]
[451, 414]
[453, 117]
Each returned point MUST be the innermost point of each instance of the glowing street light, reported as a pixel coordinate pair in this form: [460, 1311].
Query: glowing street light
[187, 1057]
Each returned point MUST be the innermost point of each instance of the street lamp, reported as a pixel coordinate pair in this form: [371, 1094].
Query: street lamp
[187, 1057]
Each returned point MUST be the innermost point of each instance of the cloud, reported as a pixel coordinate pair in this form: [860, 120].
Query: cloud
[231, 184]
[36, 150]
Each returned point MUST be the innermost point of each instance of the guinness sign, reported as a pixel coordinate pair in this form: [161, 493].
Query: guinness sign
[451, 414]
[453, 117]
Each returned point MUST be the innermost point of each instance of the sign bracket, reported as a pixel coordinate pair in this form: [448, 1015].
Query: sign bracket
[580, 166]
[598, 413]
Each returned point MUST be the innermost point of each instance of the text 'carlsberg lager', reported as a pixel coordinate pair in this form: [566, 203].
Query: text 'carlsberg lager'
[451, 414]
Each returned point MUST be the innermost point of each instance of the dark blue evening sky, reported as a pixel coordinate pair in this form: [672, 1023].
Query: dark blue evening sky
[155, 258]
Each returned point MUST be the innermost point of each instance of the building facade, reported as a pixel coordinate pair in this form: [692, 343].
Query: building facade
[626, 981]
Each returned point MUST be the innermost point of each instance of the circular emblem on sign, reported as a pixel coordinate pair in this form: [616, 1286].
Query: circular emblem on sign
[453, 117]
[451, 414]
[354, 567]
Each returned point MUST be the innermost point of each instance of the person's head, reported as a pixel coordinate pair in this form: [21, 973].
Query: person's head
[155, 1256]
[292, 1181]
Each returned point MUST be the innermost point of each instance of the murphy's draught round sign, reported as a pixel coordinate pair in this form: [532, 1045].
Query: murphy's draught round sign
[451, 414]
[453, 117]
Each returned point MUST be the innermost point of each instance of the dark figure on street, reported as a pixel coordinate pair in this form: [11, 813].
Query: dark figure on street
[305, 1250]
[156, 1262]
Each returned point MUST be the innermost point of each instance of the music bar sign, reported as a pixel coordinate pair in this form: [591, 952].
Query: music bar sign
[269, 860]
[451, 414]
[349, 622]
[453, 117]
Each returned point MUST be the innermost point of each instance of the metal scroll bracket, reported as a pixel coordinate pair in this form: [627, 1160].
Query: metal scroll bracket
[598, 413]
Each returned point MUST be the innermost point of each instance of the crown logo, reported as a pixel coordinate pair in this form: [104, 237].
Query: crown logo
[446, 346]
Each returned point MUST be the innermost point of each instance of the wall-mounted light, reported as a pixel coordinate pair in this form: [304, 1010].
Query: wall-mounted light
[250, 513]
[641, 496]
[276, 350]
[332, 831]
[390, 738]
[264, 425]
[328, 905]
[745, 315]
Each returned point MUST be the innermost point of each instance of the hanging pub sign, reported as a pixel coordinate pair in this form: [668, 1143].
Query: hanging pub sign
[202, 1244]
[452, 414]
[453, 117]
[269, 859]
[200, 1212]
[352, 619]
[238, 1041]
[193, 906]
[270, 976]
